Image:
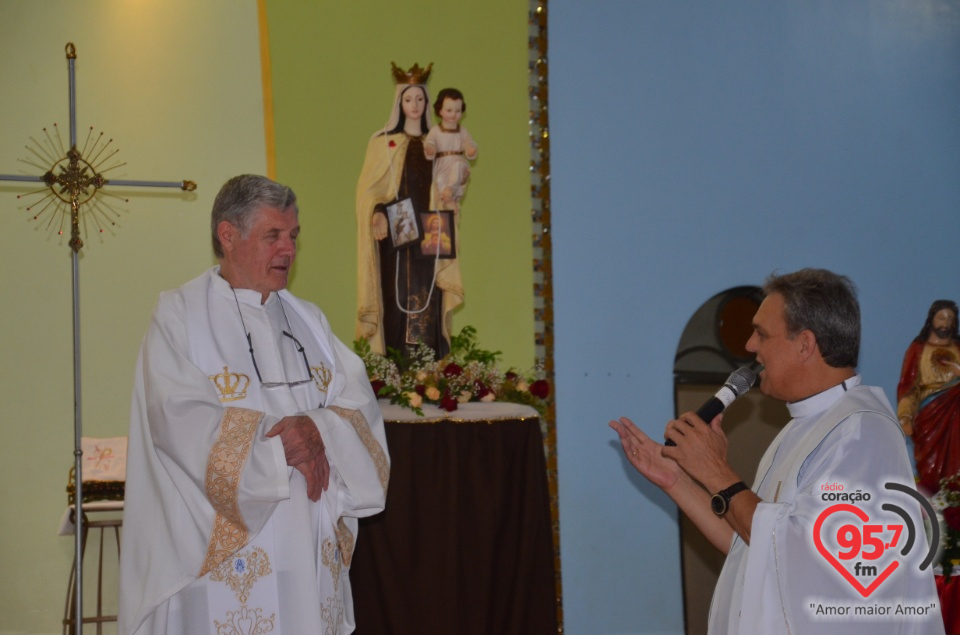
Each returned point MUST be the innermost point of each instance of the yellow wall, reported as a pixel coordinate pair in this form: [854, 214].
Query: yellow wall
[177, 85]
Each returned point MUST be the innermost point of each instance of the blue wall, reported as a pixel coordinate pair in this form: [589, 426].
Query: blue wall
[701, 145]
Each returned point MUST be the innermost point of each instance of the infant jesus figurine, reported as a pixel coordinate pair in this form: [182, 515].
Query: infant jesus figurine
[449, 145]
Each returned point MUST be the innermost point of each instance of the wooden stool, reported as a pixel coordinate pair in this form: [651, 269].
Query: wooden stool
[102, 526]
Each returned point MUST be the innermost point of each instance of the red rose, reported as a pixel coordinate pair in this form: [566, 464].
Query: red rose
[480, 390]
[452, 370]
[377, 385]
[510, 376]
[952, 516]
[540, 388]
[392, 144]
[420, 389]
[448, 403]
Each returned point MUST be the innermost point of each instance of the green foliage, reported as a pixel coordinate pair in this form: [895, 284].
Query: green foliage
[361, 347]
[463, 346]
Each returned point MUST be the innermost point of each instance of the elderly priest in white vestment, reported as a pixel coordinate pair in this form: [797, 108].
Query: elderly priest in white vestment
[255, 444]
[793, 565]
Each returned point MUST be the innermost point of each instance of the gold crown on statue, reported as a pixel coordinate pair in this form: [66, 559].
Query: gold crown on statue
[231, 386]
[415, 75]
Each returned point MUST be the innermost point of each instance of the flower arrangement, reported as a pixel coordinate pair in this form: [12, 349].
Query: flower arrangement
[947, 502]
[466, 373]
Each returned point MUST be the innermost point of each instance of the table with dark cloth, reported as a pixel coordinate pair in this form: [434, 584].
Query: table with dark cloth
[465, 544]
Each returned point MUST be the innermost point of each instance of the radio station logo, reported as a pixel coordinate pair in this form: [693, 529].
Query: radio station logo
[867, 547]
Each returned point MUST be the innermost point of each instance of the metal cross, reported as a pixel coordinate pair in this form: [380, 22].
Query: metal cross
[73, 181]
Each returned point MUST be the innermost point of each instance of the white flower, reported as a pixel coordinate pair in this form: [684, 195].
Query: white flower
[415, 400]
[465, 396]
[488, 397]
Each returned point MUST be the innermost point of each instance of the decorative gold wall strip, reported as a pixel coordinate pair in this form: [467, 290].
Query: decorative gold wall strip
[542, 257]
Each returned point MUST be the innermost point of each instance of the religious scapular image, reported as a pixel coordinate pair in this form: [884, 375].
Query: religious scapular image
[438, 234]
[402, 223]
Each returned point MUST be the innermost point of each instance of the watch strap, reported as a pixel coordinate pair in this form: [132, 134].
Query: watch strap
[720, 502]
[736, 488]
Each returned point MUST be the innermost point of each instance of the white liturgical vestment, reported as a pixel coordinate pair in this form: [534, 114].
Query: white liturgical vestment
[781, 583]
[219, 534]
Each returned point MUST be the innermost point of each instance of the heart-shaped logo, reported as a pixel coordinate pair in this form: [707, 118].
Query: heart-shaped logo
[873, 541]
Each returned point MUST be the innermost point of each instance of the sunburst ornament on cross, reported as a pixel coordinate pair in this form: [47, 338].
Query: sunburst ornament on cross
[74, 177]
[73, 187]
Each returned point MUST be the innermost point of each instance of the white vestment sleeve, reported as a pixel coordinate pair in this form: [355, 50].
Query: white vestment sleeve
[352, 429]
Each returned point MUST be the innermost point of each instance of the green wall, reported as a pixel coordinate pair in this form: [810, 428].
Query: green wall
[333, 89]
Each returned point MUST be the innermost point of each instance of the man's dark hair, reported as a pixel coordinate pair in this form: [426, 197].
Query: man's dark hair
[825, 304]
[936, 307]
[239, 200]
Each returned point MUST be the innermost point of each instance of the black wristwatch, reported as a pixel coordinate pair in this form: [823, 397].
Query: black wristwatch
[720, 502]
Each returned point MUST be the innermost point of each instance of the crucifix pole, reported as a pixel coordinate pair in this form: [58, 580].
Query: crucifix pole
[77, 433]
[75, 245]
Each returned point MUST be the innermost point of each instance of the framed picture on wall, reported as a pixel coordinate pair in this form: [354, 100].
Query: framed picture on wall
[402, 221]
[439, 238]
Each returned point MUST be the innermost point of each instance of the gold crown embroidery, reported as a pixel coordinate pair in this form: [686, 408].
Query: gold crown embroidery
[322, 376]
[415, 75]
[231, 386]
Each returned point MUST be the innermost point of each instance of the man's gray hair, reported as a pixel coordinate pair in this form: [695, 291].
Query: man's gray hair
[824, 303]
[239, 200]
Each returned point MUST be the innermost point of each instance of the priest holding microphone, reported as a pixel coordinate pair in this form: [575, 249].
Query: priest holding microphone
[780, 574]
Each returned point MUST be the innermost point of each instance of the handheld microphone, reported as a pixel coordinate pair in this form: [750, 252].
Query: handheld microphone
[738, 383]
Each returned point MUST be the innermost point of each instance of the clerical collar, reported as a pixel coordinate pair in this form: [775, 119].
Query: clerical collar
[819, 402]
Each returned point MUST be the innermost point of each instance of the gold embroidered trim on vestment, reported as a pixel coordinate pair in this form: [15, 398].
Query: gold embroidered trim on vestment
[346, 541]
[242, 571]
[362, 428]
[332, 610]
[331, 560]
[224, 468]
[245, 621]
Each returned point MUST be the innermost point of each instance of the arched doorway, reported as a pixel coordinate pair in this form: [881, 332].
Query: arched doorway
[711, 347]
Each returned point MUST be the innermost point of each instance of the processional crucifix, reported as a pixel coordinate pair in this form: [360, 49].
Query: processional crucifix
[74, 180]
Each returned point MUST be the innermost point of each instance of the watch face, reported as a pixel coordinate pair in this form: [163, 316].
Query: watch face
[718, 504]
